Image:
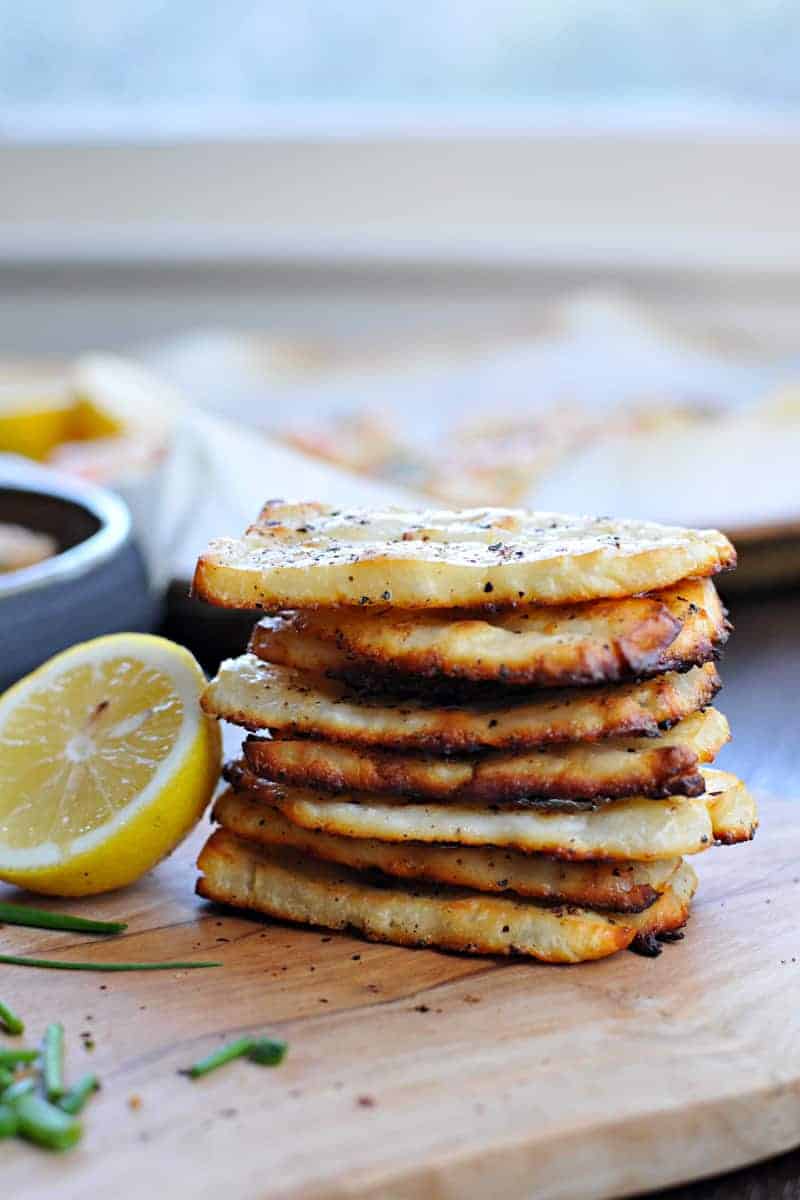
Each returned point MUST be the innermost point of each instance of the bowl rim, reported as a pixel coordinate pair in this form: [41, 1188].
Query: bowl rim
[115, 525]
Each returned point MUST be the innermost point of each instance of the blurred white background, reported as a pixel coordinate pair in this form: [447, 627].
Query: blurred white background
[554, 249]
[540, 247]
[360, 169]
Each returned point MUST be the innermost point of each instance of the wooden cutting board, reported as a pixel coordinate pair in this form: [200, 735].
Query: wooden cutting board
[418, 1074]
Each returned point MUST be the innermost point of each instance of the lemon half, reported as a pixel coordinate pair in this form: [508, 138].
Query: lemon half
[106, 763]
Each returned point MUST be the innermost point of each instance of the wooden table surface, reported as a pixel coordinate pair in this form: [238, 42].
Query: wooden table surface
[418, 1075]
[204, 1139]
[761, 675]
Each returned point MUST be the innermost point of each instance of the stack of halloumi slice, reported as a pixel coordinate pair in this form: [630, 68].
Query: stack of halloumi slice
[486, 731]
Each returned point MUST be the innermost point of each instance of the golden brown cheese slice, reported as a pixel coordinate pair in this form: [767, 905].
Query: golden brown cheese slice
[285, 884]
[558, 646]
[259, 695]
[621, 886]
[533, 646]
[659, 766]
[313, 555]
[636, 828]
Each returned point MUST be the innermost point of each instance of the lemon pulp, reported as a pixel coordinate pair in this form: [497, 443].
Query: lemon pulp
[105, 762]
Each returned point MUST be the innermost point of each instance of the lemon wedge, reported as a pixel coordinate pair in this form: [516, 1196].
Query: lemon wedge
[106, 763]
[33, 424]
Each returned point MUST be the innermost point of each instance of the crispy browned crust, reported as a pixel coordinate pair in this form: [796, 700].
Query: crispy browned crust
[663, 766]
[705, 627]
[289, 886]
[339, 768]
[556, 646]
[576, 645]
[313, 556]
[733, 810]
[284, 885]
[290, 703]
[618, 887]
[669, 914]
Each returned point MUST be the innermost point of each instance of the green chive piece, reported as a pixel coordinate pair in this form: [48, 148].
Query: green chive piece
[8, 1121]
[14, 960]
[44, 1123]
[225, 1054]
[76, 1097]
[41, 918]
[53, 1061]
[13, 1058]
[268, 1052]
[6, 1078]
[20, 1088]
[12, 1022]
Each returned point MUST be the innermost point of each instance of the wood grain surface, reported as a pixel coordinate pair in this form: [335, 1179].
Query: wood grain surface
[418, 1074]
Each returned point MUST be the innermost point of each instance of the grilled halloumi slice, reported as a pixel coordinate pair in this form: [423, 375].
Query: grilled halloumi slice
[259, 695]
[313, 555]
[290, 886]
[621, 886]
[660, 766]
[636, 828]
[534, 645]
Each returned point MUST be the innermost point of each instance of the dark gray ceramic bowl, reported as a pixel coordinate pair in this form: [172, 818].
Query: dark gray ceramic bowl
[96, 584]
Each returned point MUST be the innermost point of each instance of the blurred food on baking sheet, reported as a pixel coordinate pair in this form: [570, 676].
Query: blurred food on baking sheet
[602, 406]
[596, 405]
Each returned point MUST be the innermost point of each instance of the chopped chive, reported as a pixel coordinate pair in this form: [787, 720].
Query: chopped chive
[76, 1097]
[13, 1058]
[225, 1054]
[20, 1088]
[8, 1121]
[6, 1078]
[12, 1022]
[44, 1123]
[53, 1061]
[41, 918]
[268, 1052]
[14, 960]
